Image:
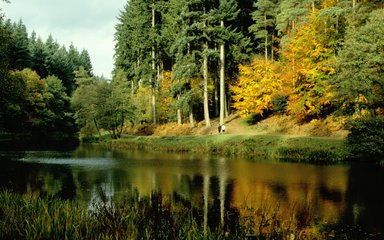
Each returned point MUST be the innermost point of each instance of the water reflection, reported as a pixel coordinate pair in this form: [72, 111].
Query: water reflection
[218, 190]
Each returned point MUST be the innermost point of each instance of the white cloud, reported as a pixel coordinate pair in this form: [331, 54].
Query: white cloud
[88, 24]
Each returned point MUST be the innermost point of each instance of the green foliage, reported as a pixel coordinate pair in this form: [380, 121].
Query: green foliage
[279, 103]
[102, 105]
[366, 139]
[264, 27]
[293, 149]
[360, 82]
[18, 51]
[156, 217]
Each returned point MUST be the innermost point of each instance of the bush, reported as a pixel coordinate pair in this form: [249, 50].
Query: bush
[279, 103]
[366, 139]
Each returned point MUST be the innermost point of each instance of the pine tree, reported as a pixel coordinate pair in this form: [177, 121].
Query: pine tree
[264, 27]
[18, 51]
[360, 83]
[227, 11]
[39, 56]
[85, 61]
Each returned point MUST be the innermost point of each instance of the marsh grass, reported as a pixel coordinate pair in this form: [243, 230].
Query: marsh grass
[155, 217]
[318, 150]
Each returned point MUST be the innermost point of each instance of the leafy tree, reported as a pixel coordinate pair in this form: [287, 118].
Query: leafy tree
[256, 88]
[38, 117]
[116, 108]
[58, 102]
[307, 68]
[84, 101]
[167, 107]
[102, 105]
[366, 138]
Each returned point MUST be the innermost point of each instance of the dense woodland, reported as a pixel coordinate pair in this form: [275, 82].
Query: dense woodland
[197, 60]
[37, 81]
[193, 60]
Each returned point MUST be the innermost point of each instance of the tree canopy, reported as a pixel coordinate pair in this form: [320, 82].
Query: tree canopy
[189, 61]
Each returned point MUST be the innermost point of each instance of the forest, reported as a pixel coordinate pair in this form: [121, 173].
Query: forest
[191, 61]
[37, 82]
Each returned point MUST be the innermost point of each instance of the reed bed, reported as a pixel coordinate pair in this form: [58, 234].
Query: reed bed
[155, 217]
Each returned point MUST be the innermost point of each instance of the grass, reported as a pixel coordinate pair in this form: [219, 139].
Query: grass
[155, 217]
[290, 148]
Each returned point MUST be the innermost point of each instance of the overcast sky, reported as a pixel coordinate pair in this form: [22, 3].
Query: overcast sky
[88, 24]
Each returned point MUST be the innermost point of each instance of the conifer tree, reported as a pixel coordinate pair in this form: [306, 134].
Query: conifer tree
[264, 27]
[18, 51]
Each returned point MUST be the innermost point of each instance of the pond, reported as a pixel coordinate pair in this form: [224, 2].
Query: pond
[343, 195]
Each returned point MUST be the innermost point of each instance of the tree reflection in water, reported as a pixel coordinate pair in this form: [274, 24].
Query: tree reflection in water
[235, 197]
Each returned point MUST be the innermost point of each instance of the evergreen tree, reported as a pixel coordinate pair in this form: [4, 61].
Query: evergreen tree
[291, 13]
[360, 83]
[18, 51]
[264, 27]
[227, 11]
[133, 43]
[85, 61]
[39, 57]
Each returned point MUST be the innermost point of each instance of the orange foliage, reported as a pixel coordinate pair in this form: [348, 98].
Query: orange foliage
[257, 85]
[165, 97]
[307, 68]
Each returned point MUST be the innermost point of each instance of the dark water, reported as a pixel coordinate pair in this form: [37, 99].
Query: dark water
[348, 195]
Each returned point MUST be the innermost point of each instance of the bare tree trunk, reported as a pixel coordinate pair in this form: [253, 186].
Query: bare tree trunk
[191, 120]
[272, 48]
[222, 80]
[266, 38]
[217, 90]
[205, 76]
[205, 82]
[97, 127]
[153, 71]
[178, 111]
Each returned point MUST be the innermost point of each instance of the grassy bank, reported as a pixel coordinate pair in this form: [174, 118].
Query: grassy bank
[158, 217]
[283, 147]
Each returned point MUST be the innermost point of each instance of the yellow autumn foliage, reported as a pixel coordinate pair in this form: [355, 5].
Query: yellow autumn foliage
[258, 83]
[308, 65]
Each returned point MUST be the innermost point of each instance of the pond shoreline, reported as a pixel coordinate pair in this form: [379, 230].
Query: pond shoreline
[315, 150]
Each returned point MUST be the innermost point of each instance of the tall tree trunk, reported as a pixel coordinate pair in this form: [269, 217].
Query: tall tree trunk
[222, 81]
[272, 48]
[97, 127]
[266, 38]
[153, 71]
[205, 76]
[217, 90]
[205, 84]
[178, 111]
[191, 119]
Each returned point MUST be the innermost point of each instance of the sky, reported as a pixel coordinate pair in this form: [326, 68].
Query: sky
[88, 24]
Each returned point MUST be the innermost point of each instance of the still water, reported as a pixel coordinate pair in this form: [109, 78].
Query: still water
[351, 195]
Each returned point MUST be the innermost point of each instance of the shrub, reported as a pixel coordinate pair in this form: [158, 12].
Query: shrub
[366, 138]
[279, 103]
